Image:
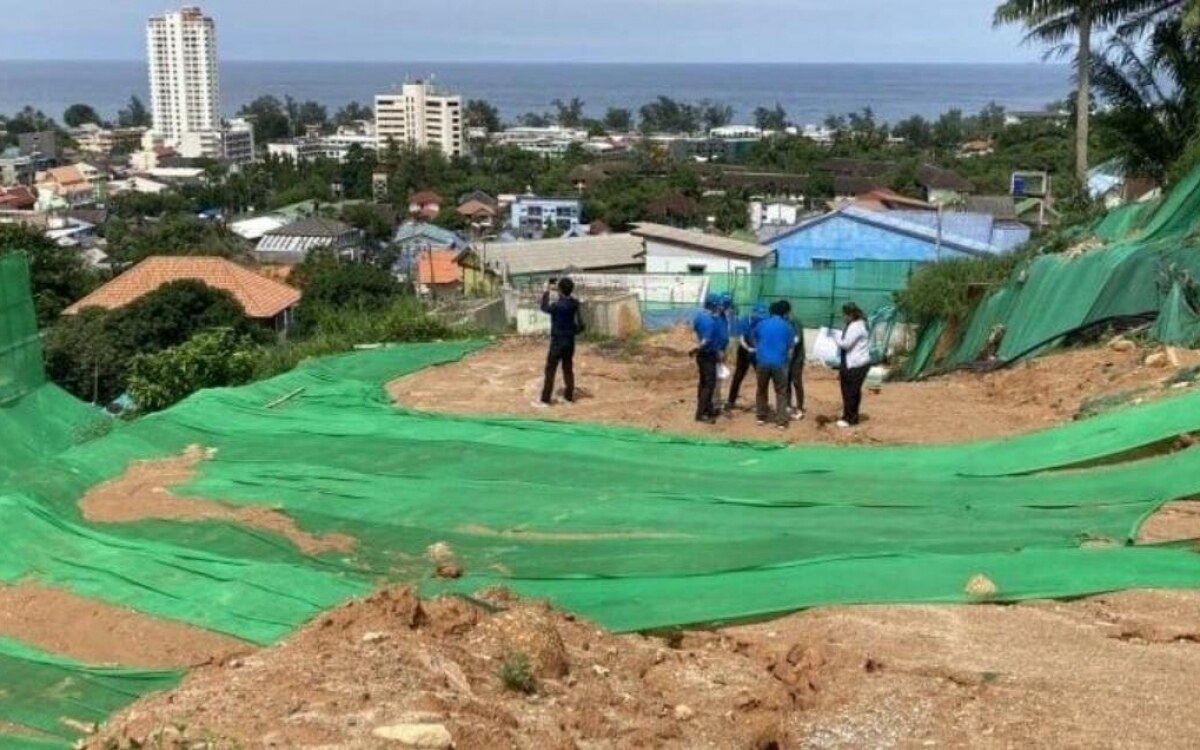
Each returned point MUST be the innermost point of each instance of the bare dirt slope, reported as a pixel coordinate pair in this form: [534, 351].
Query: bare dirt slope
[653, 385]
[1106, 672]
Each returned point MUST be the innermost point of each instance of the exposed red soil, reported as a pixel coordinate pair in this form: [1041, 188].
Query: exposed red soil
[95, 632]
[143, 492]
[1113, 671]
[652, 384]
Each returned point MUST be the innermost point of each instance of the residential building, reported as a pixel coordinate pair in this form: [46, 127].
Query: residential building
[64, 187]
[425, 204]
[290, 244]
[43, 143]
[184, 90]
[16, 169]
[263, 299]
[943, 187]
[883, 199]
[549, 141]
[93, 139]
[422, 116]
[1058, 117]
[852, 233]
[487, 265]
[479, 209]
[254, 228]
[737, 132]
[311, 147]
[684, 251]
[1109, 184]
[233, 142]
[18, 198]
[415, 236]
[587, 176]
[531, 214]
[775, 212]
[437, 273]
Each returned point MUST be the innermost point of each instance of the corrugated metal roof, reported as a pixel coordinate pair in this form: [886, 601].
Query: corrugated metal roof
[549, 256]
[894, 220]
[701, 241]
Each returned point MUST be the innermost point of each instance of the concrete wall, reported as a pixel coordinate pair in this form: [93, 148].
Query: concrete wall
[662, 257]
[613, 315]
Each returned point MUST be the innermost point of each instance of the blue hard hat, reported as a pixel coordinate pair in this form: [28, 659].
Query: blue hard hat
[760, 308]
[726, 299]
[712, 299]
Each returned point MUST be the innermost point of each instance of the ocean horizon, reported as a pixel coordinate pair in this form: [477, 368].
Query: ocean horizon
[808, 91]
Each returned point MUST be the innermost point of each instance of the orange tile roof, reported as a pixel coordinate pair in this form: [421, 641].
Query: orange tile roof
[442, 269]
[65, 176]
[259, 296]
[424, 197]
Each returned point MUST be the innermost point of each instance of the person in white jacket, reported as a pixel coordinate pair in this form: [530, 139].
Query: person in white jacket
[855, 352]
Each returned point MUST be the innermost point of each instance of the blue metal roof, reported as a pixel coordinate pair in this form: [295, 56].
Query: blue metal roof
[430, 233]
[894, 221]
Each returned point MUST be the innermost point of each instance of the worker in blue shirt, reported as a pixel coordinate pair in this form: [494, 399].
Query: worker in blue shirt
[728, 321]
[773, 341]
[711, 340]
[745, 352]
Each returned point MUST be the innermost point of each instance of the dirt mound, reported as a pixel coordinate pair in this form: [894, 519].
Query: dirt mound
[1112, 671]
[94, 632]
[651, 383]
[385, 665]
[143, 492]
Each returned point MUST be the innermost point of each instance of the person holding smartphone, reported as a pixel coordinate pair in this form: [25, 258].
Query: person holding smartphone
[566, 322]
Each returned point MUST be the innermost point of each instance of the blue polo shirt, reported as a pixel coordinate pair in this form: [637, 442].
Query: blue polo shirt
[772, 341]
[711, 329]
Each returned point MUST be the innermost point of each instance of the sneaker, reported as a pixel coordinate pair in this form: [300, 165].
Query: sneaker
[797, 414]
[782, 426]
[539, 404]
[707, 419]
[843, 424]
[762, 423]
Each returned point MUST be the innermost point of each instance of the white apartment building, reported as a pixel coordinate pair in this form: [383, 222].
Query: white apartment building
[184, 91]
[420, 115]
[232, 142]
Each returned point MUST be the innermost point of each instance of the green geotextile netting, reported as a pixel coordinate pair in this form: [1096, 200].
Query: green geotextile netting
[635, 530]
[54, 698]
[20, 349]
[1178, 323]
[1054, 295]
[640, 530]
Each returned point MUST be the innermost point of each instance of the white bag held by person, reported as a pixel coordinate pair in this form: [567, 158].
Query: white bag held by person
[723, 372]
[825, 349]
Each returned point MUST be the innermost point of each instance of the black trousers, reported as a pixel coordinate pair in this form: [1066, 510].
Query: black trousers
[706, 362]
[562, 352]
[852, 380]
[744, 363]
[796, 376]
[768, 377]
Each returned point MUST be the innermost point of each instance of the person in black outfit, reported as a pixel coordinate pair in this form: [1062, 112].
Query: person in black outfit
[796, 373]
[565, 324]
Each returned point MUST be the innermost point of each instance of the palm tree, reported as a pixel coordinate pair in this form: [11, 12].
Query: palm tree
[1153, 87]
[1053, 21]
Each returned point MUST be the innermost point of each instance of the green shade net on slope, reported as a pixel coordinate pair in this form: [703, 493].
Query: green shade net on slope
[633, 529]
[54, 697]
[1148, 245]
[1178, 323]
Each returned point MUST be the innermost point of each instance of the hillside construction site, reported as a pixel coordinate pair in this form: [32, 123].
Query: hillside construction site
[390, 548]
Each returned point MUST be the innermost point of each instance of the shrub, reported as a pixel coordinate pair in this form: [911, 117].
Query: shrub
[211, 359]
[517, 674]
[948, 289]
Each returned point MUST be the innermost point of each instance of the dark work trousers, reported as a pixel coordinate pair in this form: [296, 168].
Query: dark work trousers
[852, 380]
[796, 376]
[768, 377]
[562, 351]
[706, 363]
[744, 363]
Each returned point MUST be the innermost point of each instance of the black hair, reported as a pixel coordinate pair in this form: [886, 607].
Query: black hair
[566, 287]
[853, 311]
[782, 308]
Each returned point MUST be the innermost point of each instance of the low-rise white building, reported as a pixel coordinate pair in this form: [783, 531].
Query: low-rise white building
[233, 143]
[551, 141]
[775, 212]
[674, 251]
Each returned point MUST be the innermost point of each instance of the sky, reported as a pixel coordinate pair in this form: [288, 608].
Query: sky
[836, 31]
